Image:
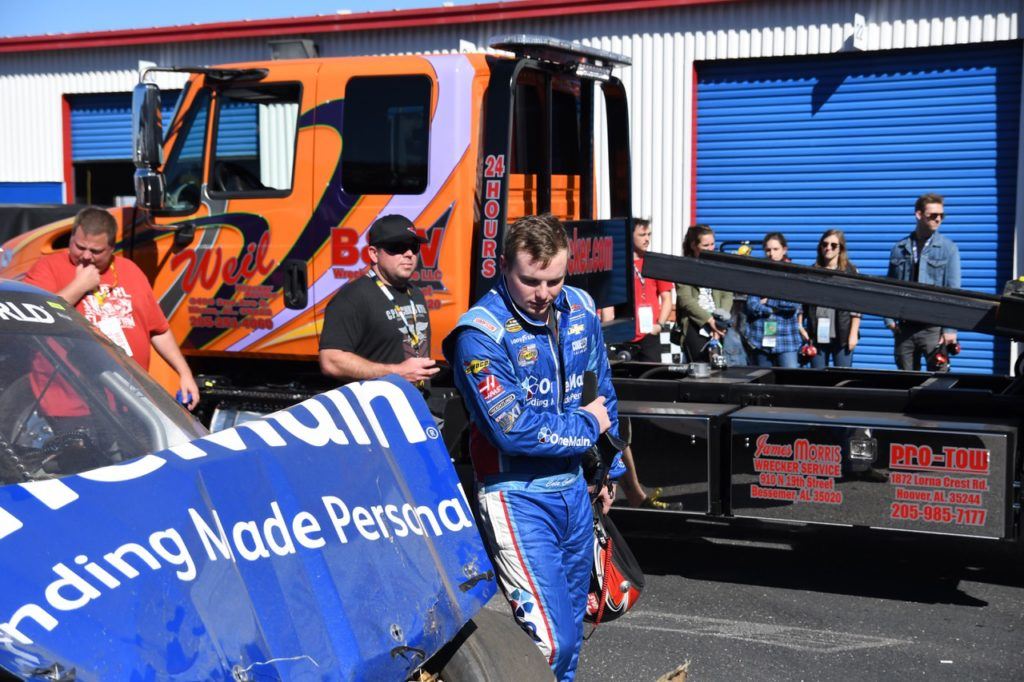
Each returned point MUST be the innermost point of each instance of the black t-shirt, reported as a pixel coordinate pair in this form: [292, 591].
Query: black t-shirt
[360, 319]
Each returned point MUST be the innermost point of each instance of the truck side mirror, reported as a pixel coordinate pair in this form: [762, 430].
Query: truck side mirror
[147, 135]
[146, 128]
[184, 233]
[149, 188]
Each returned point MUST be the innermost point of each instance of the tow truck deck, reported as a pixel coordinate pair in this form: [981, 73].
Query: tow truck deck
[935, 453]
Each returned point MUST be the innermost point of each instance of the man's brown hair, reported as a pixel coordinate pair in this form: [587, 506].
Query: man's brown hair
[95, 221]
[540, 237]
[925, 199]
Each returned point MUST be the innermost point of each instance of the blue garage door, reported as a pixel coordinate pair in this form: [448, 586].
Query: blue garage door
[237, 131]
[101, 125]
[799, 145]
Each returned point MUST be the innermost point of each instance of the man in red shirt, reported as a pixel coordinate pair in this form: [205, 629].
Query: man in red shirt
[652, 297]
[113, 294]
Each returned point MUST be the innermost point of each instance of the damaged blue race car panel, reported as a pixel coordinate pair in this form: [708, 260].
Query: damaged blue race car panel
[329, 540]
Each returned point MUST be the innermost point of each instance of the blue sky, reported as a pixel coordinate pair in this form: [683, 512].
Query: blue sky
[38, 17]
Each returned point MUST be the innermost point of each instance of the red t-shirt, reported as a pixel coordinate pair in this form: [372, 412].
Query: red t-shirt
[646, 293]
[123, 307]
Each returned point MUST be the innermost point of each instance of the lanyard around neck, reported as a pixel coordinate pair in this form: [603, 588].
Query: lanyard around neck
[639, 276]
[414, 337]
[100, 297]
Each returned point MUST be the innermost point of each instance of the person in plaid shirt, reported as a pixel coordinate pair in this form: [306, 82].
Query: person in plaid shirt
[773, 325]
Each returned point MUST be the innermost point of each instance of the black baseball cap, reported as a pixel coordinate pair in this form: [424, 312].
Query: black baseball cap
[394, 229]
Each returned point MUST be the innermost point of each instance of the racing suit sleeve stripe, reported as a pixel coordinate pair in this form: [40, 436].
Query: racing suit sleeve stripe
[509, 530]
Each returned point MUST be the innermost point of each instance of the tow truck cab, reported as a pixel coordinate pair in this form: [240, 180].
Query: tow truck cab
[252, 211]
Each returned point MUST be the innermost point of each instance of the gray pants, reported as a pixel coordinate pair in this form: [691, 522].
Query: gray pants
[914, 341]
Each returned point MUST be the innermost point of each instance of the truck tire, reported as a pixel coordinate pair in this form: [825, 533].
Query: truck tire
[491, 648]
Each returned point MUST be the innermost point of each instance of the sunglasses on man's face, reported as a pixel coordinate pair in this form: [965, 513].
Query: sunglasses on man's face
[935, 216]
[828, 246]
[399, 249]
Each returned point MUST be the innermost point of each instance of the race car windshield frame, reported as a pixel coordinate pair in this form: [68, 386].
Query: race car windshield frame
[73, 402]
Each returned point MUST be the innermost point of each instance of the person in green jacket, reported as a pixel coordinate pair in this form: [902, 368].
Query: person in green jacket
[696, 305]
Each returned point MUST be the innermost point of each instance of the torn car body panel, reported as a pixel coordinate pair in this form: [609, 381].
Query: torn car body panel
[331, 539]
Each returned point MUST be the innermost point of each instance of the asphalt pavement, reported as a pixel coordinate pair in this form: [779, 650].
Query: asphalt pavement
[817, 606]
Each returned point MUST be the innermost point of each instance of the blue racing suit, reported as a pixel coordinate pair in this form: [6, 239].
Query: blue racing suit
[523, 387]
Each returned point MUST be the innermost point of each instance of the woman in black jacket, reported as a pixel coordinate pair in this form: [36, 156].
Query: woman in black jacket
[834, 332]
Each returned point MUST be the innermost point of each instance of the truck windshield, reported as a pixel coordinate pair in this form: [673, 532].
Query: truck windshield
[70, 403]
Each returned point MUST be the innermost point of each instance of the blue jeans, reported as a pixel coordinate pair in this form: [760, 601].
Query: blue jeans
[735, 350]
[838, 354]
[763, 358]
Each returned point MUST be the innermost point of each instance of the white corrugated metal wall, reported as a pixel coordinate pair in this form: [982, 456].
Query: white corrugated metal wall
[663, 43]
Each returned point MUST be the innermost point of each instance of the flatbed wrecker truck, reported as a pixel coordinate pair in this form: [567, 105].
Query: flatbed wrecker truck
[932, 453]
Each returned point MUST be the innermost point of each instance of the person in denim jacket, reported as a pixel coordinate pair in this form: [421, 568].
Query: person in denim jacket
[927, 257]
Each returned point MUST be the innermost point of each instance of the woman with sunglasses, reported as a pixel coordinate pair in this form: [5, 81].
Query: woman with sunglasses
[773, 325]
[834, 332]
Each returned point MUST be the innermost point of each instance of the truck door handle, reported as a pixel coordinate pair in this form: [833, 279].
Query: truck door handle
[296, 287]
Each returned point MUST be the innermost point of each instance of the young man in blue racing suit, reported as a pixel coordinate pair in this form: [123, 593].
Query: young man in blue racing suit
[518, 357]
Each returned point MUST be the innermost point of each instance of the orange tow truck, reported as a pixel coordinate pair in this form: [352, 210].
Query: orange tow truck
[252, 210]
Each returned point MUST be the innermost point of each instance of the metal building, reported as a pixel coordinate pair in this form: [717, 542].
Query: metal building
[752, 116]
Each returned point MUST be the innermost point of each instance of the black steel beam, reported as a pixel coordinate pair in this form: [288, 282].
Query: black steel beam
[954, 308]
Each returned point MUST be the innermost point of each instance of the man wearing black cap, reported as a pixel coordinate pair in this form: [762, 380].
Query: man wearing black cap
[377, 324]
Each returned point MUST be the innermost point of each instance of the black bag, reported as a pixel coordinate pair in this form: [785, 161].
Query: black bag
[616, 580]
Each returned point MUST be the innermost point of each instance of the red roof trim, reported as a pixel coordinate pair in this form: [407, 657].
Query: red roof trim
[363, 21]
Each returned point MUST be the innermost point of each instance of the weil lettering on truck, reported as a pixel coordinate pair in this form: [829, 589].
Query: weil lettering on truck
[207, 265]
[212, 267]
[249, 309]
[306, 481]
[945, 485]
[800, 471]
[249, 304]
